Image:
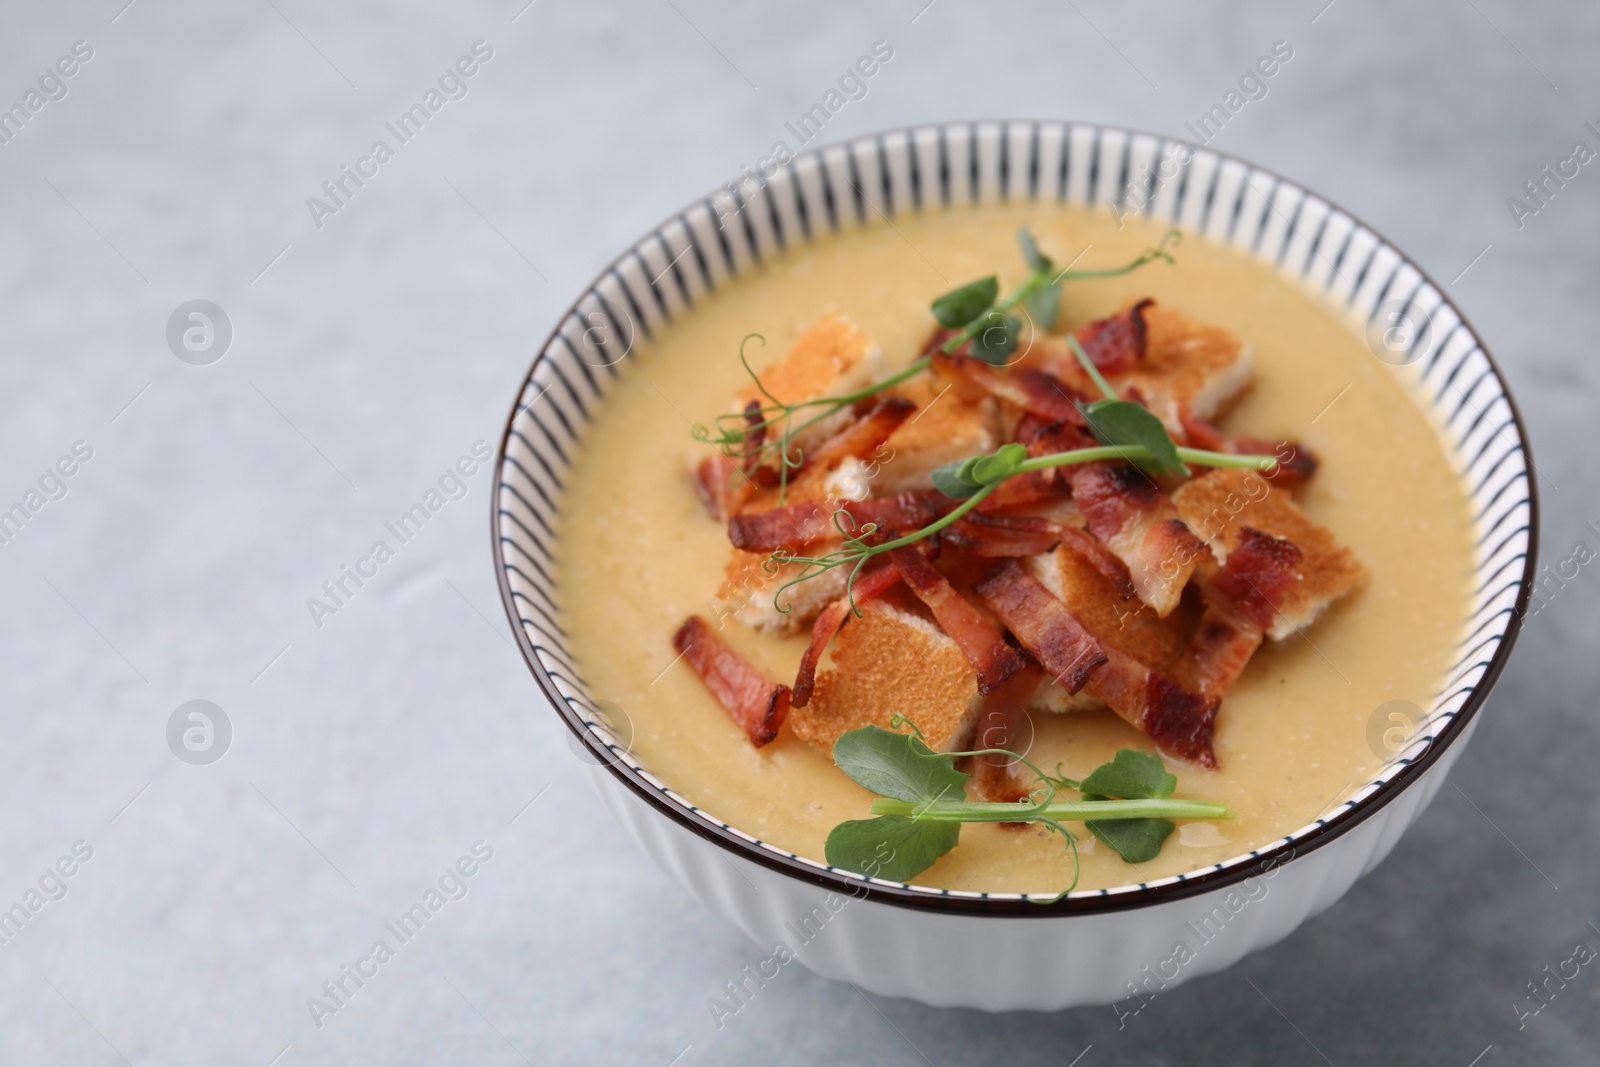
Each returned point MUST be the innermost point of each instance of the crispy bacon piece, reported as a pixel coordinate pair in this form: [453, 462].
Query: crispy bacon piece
[1024, 490]
[1296, 464]
[1100, 557]
[978, 638]
[862, 436]
[757, 703]
[1242, 599]
[722, 484]
[996, 536]
[1135, 518]
[1116, 343]
[790, 526]
[998, 725]
[1042, 624]
[830, 620]
[1179, 721]
[906, 511]
[1035, 391]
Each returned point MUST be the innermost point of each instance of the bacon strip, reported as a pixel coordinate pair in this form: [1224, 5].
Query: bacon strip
[1036, 391]
[790, 526]
[862, 436]
[1043, 625]
[722, 485]
[725, 484]
[1114, 344]
[905, 511]
[830, 620]
[1000, 717]
[978, 638]
[995, 536]
[1179, 721]
[1296, 464]
[1100, 558]
[757, 703]
[1242, 599]
[1137, 521]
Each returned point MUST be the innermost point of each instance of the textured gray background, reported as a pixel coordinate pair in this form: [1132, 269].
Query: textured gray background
[379, 747]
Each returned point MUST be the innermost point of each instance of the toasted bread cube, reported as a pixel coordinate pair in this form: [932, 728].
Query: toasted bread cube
[1128, 626]
[1219, 504]
[945, 429]
[1188, 363]
[886, 662]
[748, 590]
[832, 358]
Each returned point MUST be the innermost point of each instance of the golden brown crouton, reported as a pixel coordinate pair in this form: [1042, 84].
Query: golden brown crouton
[886, 662]
[1219, 504]
[1128, 626]
[945, 429]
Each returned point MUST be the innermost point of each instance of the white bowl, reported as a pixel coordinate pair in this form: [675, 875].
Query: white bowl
[1002, 951]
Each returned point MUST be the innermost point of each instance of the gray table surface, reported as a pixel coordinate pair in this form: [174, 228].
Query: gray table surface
[370, 752]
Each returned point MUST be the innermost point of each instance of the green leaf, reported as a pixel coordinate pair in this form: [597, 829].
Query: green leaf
[950, 480]
[1131, 775]
[988, 470]
[1037, 261]
[996, 337]
[1135, 840]
[1122, 422]
[898, 766]
[960, 306]
[1043, 305]
[895, 847]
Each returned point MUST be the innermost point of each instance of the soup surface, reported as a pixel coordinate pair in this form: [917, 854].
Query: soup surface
[637, 552]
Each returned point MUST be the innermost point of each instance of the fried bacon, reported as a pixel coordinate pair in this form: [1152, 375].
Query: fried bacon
[1242, 598]
[790, 526]
[830, 620]
[1035, 391]
[1043, 625]
[757, 703]
[1116, 343]
[865, 434]
[723, 482]
[1296, 464]
[905, 511]
[1179, 721]
[978, 638]
[997, 536]
[999, 718]
[1099, 557]
[1135, 518]
[722, 485]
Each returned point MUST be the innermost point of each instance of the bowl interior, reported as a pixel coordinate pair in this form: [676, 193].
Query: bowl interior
[1409, 321]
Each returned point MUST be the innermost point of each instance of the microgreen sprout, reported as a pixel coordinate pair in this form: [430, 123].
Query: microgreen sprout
[920, 804]
[764, 434]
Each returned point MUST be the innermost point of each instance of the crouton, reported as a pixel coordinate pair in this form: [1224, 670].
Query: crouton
[945, 429]
[1128, 626]
[890, 661]
[832, 358]
[1219, 504]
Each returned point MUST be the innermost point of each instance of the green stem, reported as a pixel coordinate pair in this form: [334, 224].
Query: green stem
[1198, 456]
[1068, 810]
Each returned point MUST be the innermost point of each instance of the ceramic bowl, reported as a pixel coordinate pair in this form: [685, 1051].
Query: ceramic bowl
[1000, 951]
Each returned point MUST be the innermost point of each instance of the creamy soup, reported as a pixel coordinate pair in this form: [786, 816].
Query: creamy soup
[638, 553]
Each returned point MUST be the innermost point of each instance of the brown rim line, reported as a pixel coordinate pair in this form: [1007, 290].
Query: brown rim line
[1320, 832]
